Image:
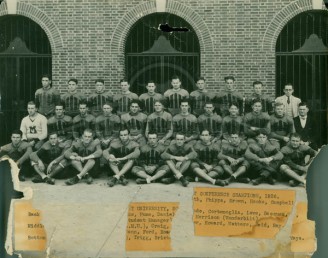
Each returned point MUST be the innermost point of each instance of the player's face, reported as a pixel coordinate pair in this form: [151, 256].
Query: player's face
[124, 135]
[288, 90]
[258, 89]
[83, 109]
[180, 139]
[151, 87]
[59, 110]
[176, 84]
[72, 86]
[234, 139]
[158, 107]
[152, 139]
[201, 84]
[16, 138]
[205, 137]
[31, 109]
[134, 108]
[261, 139]
[295, 142]
[87, 137]
[184, 107]
[99, 87]
[53, 139]
[230, 84]
[125, 86]
[257, 107]
[45, 82]
[279, 110]
[209, 108]
[233, 110]
[107, 109]
[303, 110]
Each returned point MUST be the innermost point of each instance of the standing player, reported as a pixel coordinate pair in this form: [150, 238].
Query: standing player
[266, 101]
[199, 97]
[83, 121]
[178, 157]
[206, 164]
[124, 98]
[72, 98]
[232, 159]
[148, 99]
[121, 155]
[210, 121]
[49, 160]
[98, 99]
[84, 156]
[175, 95]
[160, 122]
[135, 122]
[34, 126]
[46, 97]
[151, 166]
[232, 123]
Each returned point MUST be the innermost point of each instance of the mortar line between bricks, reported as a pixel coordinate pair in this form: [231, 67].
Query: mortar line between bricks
[110, 234]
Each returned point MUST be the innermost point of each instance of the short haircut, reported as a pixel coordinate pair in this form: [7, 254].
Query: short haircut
[230, 77]
[235, 132]
[303, 104]
[296, 135]
[208, 103]
[73, 80]
[83, 102]
[124, 80]
[180, 134]
[88, 130]
[162, 101]
[262, 131]
[152, 132]
[60, 104]
[151, 81]
[52, 133]
[200, 78]
[278, 104]
[100, 80]
[256, 101]
[206, 130]
[257, 82]
[108, 104]
[184, 100]
[135, 101]
[31, 103]
[46, 76]
[233, 104]
[175, 77]
[288, 84]
[17, 131]
[124, 128]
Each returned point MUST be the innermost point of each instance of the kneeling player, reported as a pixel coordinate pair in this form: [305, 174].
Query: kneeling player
[232, 159]
[294, 165]
[49, 160]
[151, 166]
[206, 163]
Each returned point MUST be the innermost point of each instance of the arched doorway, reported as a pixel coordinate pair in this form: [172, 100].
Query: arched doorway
[151, 54]
[25, 54]
[302, 59]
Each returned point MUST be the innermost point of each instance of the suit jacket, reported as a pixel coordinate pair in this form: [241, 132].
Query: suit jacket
[308, 133]
[294, 102]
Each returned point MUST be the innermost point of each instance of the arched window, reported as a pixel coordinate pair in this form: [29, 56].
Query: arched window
[25, 54]
[302, 59]
[151, 54]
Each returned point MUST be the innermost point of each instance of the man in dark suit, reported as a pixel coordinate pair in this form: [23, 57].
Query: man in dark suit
[305, 126]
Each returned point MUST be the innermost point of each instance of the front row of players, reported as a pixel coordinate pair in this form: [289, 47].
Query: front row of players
[219, 163]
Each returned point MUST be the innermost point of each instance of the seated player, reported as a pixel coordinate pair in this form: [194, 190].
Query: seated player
[83, 121]
[160, 122]
[61, 125]
[206, 164]
[49, 160]
[178, 157]
[264, 158]
[72, 98]
[135, 122]
[186, 123]
[34, 127]
[121, 155]
[228, 96]
[282, 126]
[266, 101]
[232, 159]
[210, 121]
[199, 97]
[233, 123]
[151, 166]
[294, 165]
[173, 96]
[19, 151]
[84, 156]
[148, 99]
[98, 98]
[123, 99]
[256, 121]
[107, 125]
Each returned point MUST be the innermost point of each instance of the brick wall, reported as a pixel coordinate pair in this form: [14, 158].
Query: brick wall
[236, 37]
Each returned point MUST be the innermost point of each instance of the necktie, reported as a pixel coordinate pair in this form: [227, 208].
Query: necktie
[288, 100]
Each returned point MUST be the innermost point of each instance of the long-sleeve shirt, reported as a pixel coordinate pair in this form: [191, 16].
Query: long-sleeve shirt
[186, 150]
[97, 100]
[260, 121]
[45, 100]
[173, 98]
[130, 149]
[198, 99]
[34, 127]
[149, 100]
[107, 126]
[281, 126]
[266, 101]
[84, 150]
[136, 123]
[207, 153]
[225, 98]
[232, 151]
[150, 155]
[21, 152]
[123, 101]
[185, 124]
[80, 123]
[48, 152]
[212, 123]
[72, 102]
[232, 125]
[62, 126]
[295, 157]
[256, 151]
[160, 123]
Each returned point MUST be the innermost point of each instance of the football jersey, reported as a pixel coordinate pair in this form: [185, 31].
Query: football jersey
[80, 123]
[266, 101]
[130, 149]
[149, 100]
[107, 126]
[45, 100]
[232, 151]
[198, 99]
[185, 124]
[256, 151]
[151, 155]
[186, 150]
[281, 126]
[160, 123]
[136, 123]
[48, 152]
[226, 98]
[261, 121]
[207, 153]
[212, 123]
[232, 125]
[35, 127]
[173, 99]
[62, 126]
[84, 150]
[97, 100]
[296, 156]
[72, 102]
[16, 152]
[123, 101]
